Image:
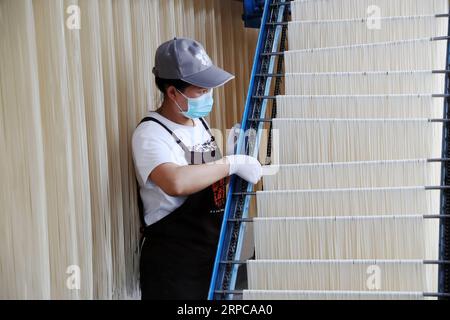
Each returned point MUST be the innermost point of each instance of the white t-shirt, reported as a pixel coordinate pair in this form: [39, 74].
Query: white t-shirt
[153, 145]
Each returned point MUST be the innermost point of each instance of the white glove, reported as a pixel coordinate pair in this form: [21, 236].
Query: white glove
[246, 167]
[233, 136]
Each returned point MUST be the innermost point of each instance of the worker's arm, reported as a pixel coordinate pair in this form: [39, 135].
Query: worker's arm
[178, 180]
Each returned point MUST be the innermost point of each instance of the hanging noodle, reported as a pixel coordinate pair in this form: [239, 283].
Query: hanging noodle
[421, 54]
[356, 83]
[359, 106]
[329, 295]
[362, 174]
[337, 202]
[338, 140]
[333, 33]
[346, 237]
[351, 9]
[351, 275]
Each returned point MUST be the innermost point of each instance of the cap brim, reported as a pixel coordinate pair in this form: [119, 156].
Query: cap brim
[210, 78]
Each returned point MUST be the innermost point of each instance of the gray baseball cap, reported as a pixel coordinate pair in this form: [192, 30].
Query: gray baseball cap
[186, 59]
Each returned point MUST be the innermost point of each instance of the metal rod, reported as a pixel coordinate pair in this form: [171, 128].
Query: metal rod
[234, 262]
[281, 75]
[239, 292]
[436, 95]
[244, 193]
[284, 23]
[437, 294]
[438, 120]
[270, 120]
[270, 75]
[440, 38]
[425, 294]
[429, 262]
[280, 53]
[437, 187]
[288, 3]
[275, 53]
[240, 220]
[425, 216]
[264, 97]
[436, 262]
[444, 15]
[279, 4]
[253, 193]
[260, 120]
[436, 216]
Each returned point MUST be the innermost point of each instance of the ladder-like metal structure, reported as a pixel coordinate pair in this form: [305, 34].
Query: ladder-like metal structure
[272, 37]
[268, 56]
[444, 226]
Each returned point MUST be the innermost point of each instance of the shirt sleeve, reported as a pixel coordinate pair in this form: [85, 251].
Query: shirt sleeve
[149, 151]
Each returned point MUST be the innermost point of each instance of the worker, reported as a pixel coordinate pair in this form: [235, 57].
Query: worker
[182, 175]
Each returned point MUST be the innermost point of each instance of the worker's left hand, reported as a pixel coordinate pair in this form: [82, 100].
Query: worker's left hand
[232, 139]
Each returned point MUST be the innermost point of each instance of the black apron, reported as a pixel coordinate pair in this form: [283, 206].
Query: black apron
[178, 251]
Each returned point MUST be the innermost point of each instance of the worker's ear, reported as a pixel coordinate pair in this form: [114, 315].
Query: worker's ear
[172, 93]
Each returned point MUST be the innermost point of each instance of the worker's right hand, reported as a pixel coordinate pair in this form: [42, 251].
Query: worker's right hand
[246, 167]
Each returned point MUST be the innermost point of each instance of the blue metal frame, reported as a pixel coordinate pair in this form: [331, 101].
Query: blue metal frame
[256, 150]
[444, 232]
[241, 147]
